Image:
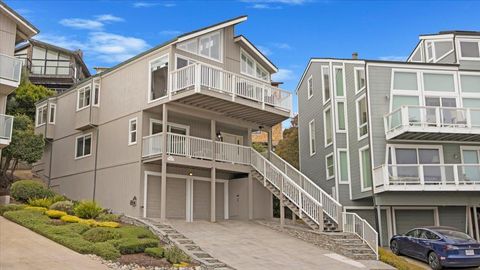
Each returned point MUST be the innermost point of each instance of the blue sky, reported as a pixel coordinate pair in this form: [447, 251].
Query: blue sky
[289, 32]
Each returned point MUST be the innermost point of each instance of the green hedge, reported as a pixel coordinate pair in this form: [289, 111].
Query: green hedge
[25, 190]
[157, 252]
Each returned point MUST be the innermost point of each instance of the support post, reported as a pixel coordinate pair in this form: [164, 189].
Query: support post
[250, 196]
[282, 206]
[475, 222]
[269, 143]
[163, 184]
[213, 173]
[379, 226]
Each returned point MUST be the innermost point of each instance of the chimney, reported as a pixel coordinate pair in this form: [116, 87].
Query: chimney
[99, 70]
[79, 53]
[355, 55]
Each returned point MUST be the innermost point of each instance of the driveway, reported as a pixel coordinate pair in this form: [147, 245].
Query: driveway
[21, 249]
[247, 245]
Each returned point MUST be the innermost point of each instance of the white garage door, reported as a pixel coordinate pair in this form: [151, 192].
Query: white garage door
[406, 220]
[201, 200]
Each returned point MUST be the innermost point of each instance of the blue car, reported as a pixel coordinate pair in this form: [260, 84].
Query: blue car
[438, 246]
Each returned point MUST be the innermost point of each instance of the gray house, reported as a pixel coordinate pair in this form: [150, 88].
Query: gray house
[397, 142]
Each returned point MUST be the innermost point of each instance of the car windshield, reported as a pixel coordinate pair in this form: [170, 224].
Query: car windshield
[455, 235]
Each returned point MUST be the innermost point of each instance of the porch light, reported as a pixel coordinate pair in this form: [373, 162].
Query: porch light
[190, 173]
[219, 136]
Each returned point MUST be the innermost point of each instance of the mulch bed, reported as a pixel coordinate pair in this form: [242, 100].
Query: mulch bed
[142, 259]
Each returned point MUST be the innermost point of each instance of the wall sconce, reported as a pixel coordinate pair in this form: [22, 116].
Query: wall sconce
[190, 173]
[133, 201]
[219, 136]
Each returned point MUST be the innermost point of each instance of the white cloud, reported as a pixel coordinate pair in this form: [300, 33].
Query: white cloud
[108, 18]
[393, 58]
[82, 23]
[283, 46]
[282, 75]
[170, 32]
[152, 4]
[266, 51]
[264, 6]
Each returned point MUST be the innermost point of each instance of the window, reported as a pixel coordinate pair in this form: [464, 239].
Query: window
[339, 89]
[209, 46]
[407, 155]
[96, 94]
[344, 165]
[49, 62]
[326, 84]
[42, 113]
[341, 123]
[132, 131]
[413, 233]
[469, 50]
[83, 146]
[470, 83]
[83, 98]
[437, 50]
[365, 169]
[359, 79]
[327, 120]
[51, 118]
[474, 114]
[438, 82]
[183, 62]
[405, 81]
[311, 135]
[362, 117]
[250, 67]
[330, 166]
[310, 87]
[158, 78]
[429, 50]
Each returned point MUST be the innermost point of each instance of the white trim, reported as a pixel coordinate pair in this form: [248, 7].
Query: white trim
[54, 107]
[419, 47]
[335, 68]
[169, 124]
[37, 116]
[19, 20]
[337, 119]
[311, 135]
[339, 166]
[91, 143]
[310, 85]
[355, 72]
[178, 55]
[94, 91]
[436, 218]
[323, 68]
[257, 52]
[330, 122]
[83, 90]
[212, 29]
[358, 116]
[130, 131]
[206, 35]
[329, 177]
[149, 86]
[460, 57]
[360, 150]
[255, 66]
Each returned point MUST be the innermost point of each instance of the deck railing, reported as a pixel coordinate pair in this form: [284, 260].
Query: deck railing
[10, 68]
[201, 76]
[353, 223]
[152, 145]
[232, 153]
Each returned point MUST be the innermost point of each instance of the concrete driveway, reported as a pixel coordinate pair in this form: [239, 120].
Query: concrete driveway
[21, 249]
[247, 245]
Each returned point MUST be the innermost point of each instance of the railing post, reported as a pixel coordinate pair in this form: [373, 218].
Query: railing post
[198, 77]
[263, 97]
[438, 116]
[170, 87]
[455, 175]
[264, 173]
[420, 174]
[363, 231]
[469, 118]
[404, 115]
[300, 204]
[233, 87]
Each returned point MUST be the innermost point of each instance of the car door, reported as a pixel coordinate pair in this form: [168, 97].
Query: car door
[422, 244]
[407, 244]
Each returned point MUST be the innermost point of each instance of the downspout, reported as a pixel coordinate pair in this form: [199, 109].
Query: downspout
[97, 138]
[50, 164]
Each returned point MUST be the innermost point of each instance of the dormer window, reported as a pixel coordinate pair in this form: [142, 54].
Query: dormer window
[470, 50]
[209, 46]
[83, 98]
[250, 67]
[42, 115]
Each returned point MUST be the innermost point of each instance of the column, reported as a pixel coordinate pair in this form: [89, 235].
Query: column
[250, 180]
[213, 172]
[163, 192]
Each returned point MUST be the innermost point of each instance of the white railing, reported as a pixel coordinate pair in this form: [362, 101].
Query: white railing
[6, 127]
[330, 206]
[306, 204]
[152, 145]
[10, 68]
[433, 118]
[182, 145]
[427, 177]
[232, 153]
[235, 85]
[353, 223]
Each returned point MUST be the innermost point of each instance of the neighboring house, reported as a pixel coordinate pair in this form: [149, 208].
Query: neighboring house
[398, 142]
[51, 66]
[167, 133]
[13, 30]
[262, 137]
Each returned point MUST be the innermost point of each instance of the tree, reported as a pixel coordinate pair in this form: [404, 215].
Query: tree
[25, 146]
[287, 148]
[23, 100]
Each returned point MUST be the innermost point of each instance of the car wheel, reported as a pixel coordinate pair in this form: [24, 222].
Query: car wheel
[434, 261]
[394, 247]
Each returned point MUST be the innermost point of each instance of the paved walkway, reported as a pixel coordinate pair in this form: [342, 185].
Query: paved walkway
[247, 245]
[21, 249]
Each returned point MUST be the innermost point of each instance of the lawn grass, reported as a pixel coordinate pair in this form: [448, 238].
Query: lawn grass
[128, 239]
[398, 262]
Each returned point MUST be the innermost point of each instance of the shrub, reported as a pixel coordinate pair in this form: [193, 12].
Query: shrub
[100, 235]
[43, 202]
[175, 255]
[55, 213]
[108, 217]
[132, 245]
[36, 208]
[89, 222]
[87, 209]
[136, 232]
[70, 219]
[59, 198]
[108, 224]
[398, 262]
[105, 250]
[156, 252]
[65, 206]
[24, 190]
[11, 207]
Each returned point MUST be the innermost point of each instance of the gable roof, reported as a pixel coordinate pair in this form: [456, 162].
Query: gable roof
[25, 28]
[243, 40]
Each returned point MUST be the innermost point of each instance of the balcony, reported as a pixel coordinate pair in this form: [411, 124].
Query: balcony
[194, 147]
[10, 71]
[230, 94]
[6, 127]
[433, 123]
[427, 177]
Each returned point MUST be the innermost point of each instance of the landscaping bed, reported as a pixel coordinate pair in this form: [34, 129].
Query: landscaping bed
[87, 228]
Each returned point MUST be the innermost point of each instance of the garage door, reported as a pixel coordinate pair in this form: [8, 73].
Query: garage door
[201, 200]
[175, 197]
[153, 196]
[406, 220]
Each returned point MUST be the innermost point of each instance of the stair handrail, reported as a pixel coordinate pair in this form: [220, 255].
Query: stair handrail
[291, 182]
[362, 229]
[335, 213]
